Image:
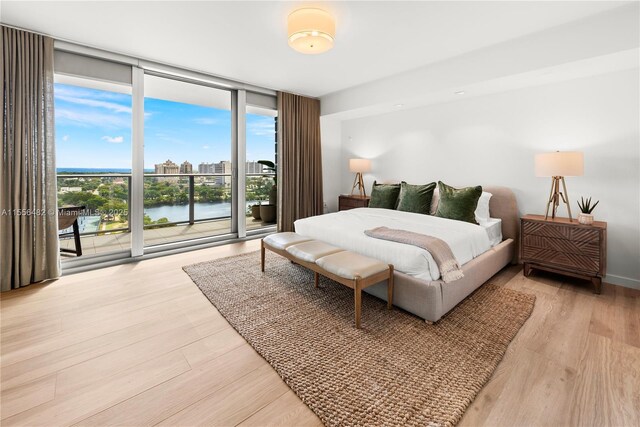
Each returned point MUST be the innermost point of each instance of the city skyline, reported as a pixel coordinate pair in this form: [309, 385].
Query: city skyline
[93, 130]
[186, 167]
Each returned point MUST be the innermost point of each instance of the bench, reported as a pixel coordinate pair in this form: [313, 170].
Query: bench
[347, 268]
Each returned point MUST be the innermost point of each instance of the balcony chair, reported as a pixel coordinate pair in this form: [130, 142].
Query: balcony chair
[67, 217]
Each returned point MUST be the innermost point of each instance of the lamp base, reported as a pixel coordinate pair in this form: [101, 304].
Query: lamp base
[358, 182]
[556, 195]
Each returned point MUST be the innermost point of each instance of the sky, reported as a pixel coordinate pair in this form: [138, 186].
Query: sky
[93, 130]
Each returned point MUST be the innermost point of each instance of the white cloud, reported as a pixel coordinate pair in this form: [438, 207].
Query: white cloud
[205, 147]
[205, 121]
[111, 106]
[262, 127]
[113, 139]
[90, 118]
[65, 138]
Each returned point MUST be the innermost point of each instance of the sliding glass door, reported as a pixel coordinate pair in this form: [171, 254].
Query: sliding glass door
[187, 161]
[93, 162]
[261, 160]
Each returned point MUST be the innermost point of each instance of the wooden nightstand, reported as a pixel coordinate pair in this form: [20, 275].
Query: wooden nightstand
[347, 201]
[563, 246]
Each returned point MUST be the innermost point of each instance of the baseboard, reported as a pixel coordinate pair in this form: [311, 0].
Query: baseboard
[622, 281]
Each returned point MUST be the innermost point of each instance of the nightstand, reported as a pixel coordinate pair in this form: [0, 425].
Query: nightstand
[563, 246]
[349, 201]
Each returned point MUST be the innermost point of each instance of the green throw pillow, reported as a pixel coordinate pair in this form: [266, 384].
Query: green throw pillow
[458, 203]
[384, 195]
[416, 198]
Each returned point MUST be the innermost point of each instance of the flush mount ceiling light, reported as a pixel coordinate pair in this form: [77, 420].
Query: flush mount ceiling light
[311, 31]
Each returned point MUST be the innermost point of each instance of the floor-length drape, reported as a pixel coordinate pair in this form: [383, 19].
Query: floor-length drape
[29, 248]
[300, 162]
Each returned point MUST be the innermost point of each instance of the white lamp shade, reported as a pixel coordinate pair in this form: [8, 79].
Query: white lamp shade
[360, 165]
[311, 30]
[560, 163]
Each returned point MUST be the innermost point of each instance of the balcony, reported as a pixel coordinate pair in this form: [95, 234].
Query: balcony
[178, 207]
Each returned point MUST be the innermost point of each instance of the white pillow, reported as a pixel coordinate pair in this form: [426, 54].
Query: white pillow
[482, 209]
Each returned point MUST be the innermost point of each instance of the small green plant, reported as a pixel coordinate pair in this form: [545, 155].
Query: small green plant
[585, 205]
[270, 167]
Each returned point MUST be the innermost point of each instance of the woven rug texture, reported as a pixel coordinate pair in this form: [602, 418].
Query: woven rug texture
[395, 371]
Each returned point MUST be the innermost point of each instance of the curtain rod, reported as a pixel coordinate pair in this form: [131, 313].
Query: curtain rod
[88, 50]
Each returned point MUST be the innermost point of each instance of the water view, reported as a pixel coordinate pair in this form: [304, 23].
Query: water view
[176, 213]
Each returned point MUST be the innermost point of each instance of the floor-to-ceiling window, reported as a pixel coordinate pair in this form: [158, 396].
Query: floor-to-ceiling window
[261, 162]
[187, 161]
[208, 151]
[93, 161]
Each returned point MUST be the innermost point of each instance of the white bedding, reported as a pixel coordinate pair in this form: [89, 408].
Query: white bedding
[493, 227]
[345, 229]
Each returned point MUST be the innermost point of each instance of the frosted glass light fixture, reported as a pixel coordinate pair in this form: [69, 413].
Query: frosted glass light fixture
[558, 165]
[311, 31]
[359, 166]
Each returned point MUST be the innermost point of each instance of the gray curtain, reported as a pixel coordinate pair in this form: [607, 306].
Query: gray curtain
[29, 248]
[300, 159]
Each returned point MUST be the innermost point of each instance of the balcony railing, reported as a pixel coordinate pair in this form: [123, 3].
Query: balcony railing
[82, 188]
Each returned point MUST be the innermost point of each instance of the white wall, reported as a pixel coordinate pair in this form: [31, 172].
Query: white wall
[331, 162]
[492, 140]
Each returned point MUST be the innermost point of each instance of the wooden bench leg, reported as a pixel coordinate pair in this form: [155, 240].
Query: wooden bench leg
[316, 278]
[262, 255]
[390, 288]
[358, 298]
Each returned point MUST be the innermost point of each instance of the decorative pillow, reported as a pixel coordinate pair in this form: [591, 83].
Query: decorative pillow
[482, 210]
[415, 198]
[384, 195]
[458, 203]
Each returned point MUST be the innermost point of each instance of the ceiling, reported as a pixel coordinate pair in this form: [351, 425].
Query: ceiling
[246, 41]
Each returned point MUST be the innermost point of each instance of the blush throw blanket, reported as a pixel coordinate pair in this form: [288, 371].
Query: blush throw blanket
[438, 248]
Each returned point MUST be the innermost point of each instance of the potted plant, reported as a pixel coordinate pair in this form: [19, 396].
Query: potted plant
[255, 211]
[269, 166]
[585, 217]
[268, 212]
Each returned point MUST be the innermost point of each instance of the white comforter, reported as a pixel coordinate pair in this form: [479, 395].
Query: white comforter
[345, 229]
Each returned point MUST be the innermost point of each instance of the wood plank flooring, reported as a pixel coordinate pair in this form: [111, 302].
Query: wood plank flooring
[139, 345]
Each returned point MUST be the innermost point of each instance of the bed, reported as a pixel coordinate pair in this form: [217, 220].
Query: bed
[483, 250]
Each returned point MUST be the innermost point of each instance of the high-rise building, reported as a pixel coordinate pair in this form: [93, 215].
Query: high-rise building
[223, 167]
[186, 167]
[206, 168]
[254, 167]
[167, 167]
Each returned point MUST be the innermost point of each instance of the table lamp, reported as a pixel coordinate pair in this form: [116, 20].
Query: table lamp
[558, 165]
[359, 166]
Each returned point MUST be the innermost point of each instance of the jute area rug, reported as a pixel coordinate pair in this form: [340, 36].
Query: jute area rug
[397, 370]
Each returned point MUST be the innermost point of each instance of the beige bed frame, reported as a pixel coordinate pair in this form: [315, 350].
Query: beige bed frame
[431, 300]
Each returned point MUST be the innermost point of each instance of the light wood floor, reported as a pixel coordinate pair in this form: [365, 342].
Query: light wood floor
[138, 344]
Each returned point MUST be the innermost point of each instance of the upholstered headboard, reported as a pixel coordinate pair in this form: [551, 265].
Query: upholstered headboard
[502, 205]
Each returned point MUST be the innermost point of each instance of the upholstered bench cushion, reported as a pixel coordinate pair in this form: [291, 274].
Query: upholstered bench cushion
[283, 240]
[348, 265]
[312, 250]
